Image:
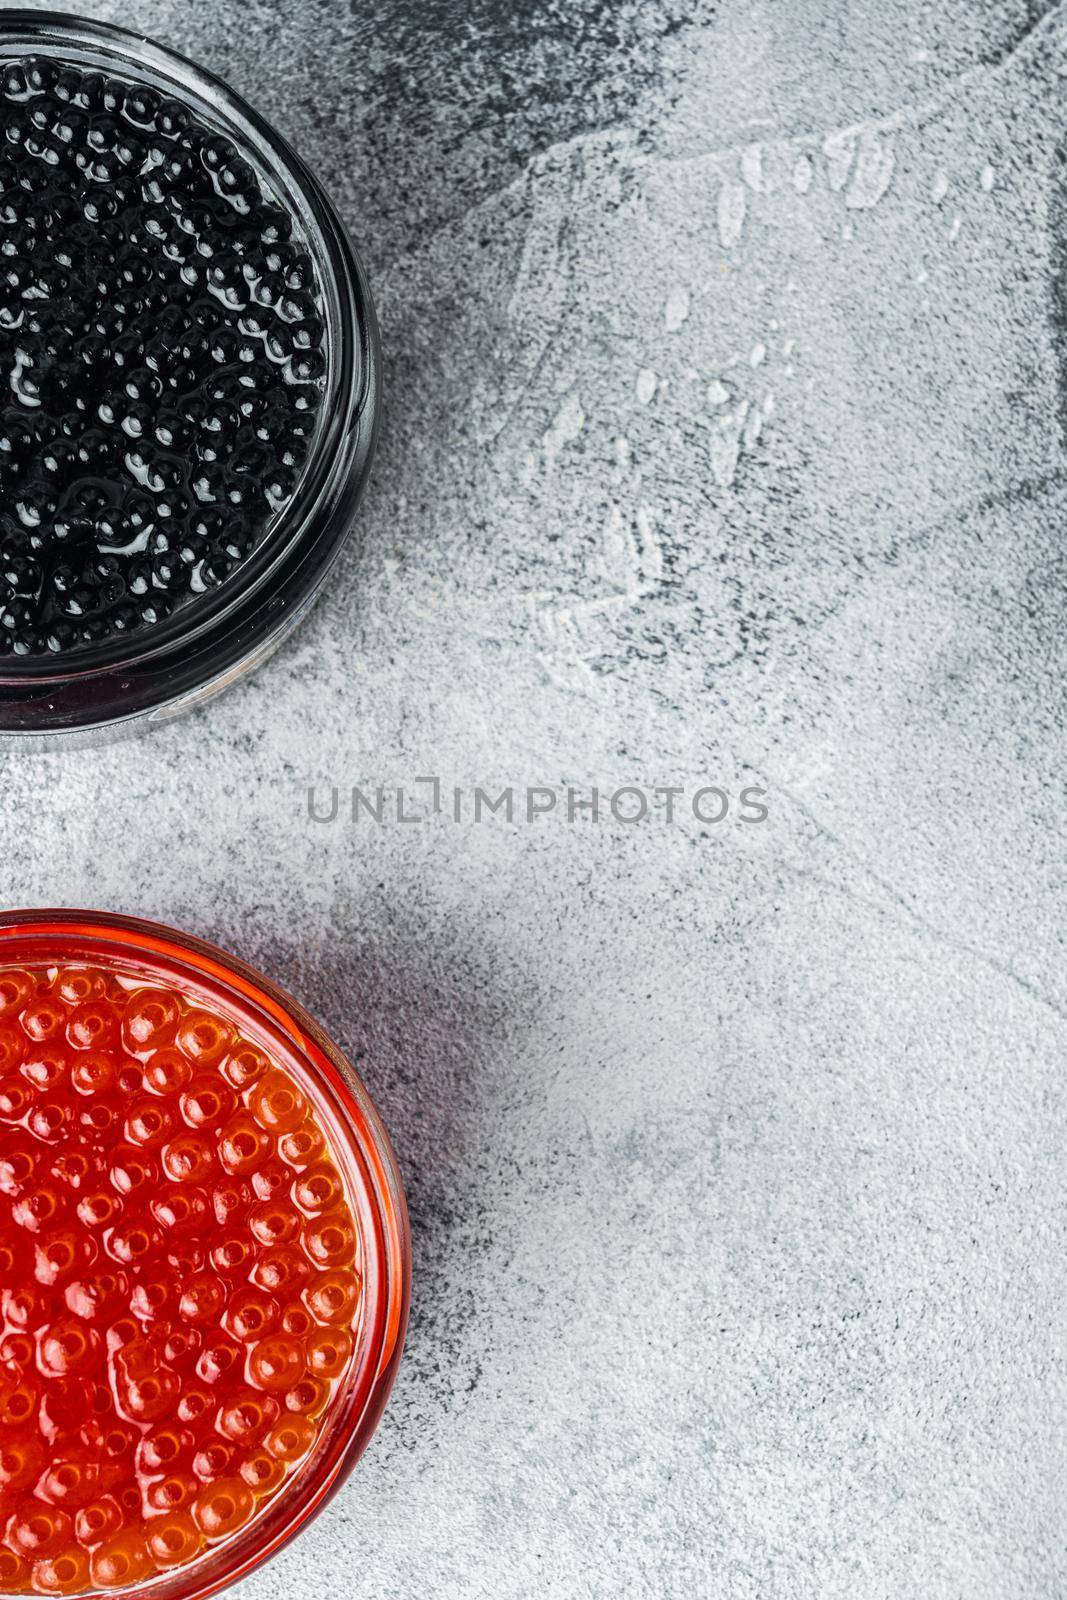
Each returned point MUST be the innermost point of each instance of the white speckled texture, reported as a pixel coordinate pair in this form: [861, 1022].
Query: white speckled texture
[723, 441]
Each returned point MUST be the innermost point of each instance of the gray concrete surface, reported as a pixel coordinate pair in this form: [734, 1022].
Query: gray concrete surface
[723, 444]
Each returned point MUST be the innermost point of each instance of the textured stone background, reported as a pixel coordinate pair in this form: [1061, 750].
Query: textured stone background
[723, 442]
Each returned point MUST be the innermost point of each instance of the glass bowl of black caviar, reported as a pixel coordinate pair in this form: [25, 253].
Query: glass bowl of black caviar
[189, 383]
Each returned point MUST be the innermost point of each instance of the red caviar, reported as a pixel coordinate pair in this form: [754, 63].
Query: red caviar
[181, 1277]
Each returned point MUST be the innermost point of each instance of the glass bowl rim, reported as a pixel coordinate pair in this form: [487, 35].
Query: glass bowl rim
[24, 936]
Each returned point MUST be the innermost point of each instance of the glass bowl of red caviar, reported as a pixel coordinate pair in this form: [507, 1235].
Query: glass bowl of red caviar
[190, 377]
[204, 1261]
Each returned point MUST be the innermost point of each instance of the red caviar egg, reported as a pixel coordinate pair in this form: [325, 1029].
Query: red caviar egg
[207, 1101]
[98, 1521]
[121, 1561]
[167, 1072]
[179, 1295]
[161, 1447]
[212, 1461]
[218, 1358]
[318, 1189]
[93, 1072]
[262, 1472]
[75, 985]
[72, 1167]
[149, 1020]
[92, 1026]
[290, 1439]
[281, 1270]
[309, 1397]
[36, 1529]
[246, 1417]
[178, 1206]
[333, 1297]
[16, 1349]
[67, 1346]
[173, 1539]
[132, 1242]
[22, 1456]
[66, 1572]
[202, 1298]
[149, 1122]
[17, 988]
[296, 1320]
[304, 1146]
[276, 1103]
[131, 1170]
[97, 1294]
[250, 1314]
[275, 1363]
[243, 1145]
[273, 1180]
[43, 1065]
[172, 1492]
[223, 1507]
[69, 1483]
[204, 1038]
[17, 1164]
[59, 1256]
[274, 1222]
[187, 1158]
[186, 1255]
[330, 1240]
[38, 1208]
[14, 1572]
[16, 1098]
[230, 1198]
[44, 1019]
[48, 1120]
[233, 1253]
[153, 1297]
[98, 1209]
[196, 1402]
[18, 1399]
[329, 1351]
[244, 1066]
[21, 1306]
[13, 1048]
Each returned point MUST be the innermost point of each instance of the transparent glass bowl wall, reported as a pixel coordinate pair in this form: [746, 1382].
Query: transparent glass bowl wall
[101, 692]
[271, 1019]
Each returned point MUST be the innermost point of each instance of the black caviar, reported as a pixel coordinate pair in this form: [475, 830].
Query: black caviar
[161, 357]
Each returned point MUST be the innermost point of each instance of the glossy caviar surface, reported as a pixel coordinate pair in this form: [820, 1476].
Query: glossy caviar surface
[161, 357]
[179, 1279]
